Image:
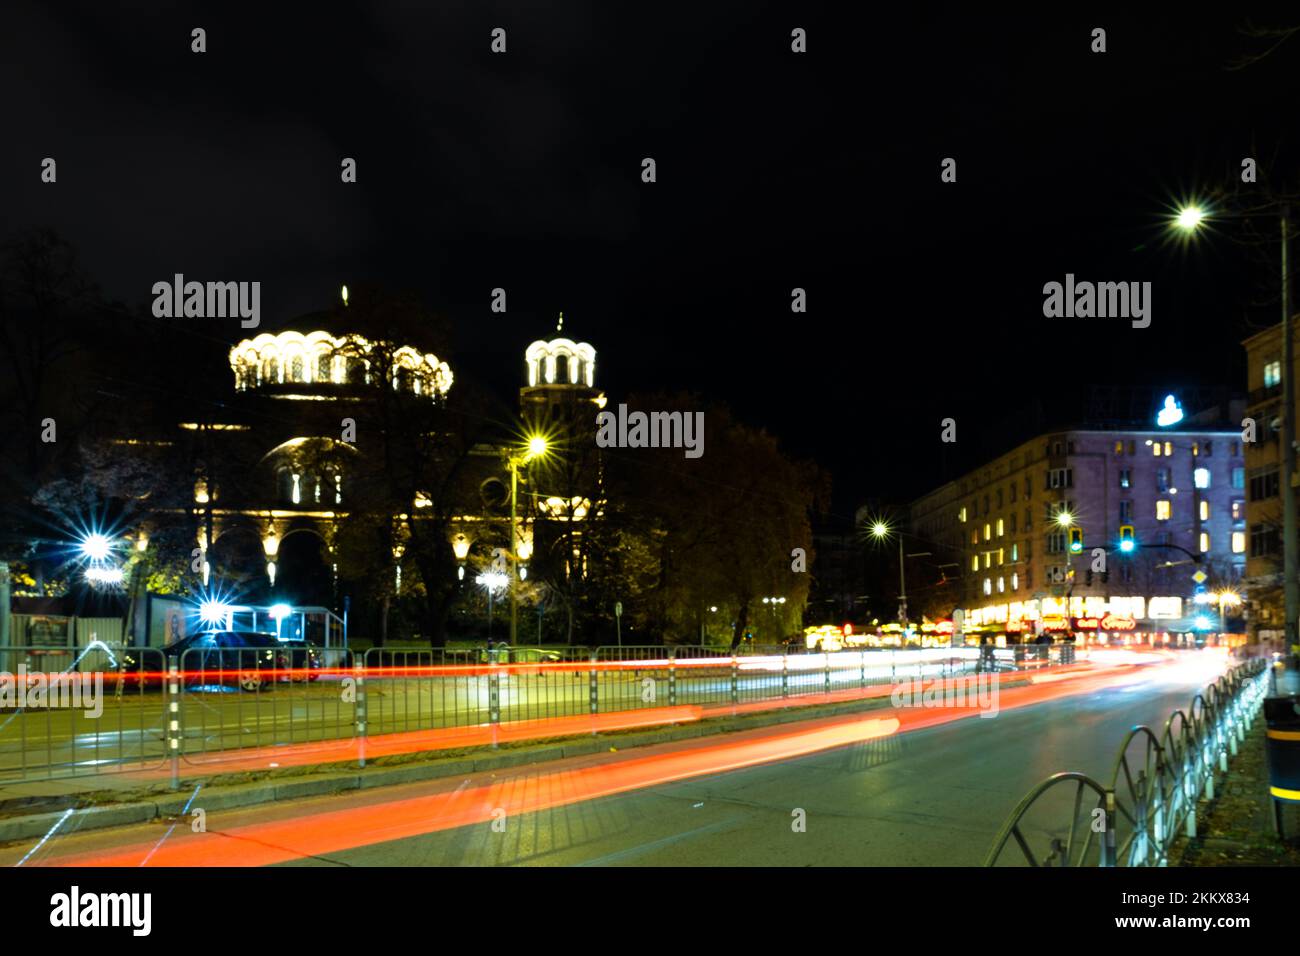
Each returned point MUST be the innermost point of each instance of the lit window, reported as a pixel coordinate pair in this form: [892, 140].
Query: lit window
[1162, 510]
[975, 563]
[961, 515]
[1205, 541]
[988, 585]
[988, 559]
[1201, 477]
[297, 491]
[1205, 511]
[1015, 552]
[1238, 510]
[1002, 585]
[1001, 555]
[1000, 527]
[1272, 374]
[988, 531]
[1155, 449]
[1119, 448]
[1169, 448]
[1015, 582]
[1238, 542]
[338, 489]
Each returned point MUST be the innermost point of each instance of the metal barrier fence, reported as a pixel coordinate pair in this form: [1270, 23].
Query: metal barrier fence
[159, 710]
[1157, 780]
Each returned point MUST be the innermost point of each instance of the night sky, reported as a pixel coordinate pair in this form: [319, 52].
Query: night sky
[775, 170]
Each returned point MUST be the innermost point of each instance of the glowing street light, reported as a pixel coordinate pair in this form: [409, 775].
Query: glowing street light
[96, 546]
[1189, 218]
[1064, 519]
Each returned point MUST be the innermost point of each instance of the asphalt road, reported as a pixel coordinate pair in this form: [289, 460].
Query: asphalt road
[933, 796]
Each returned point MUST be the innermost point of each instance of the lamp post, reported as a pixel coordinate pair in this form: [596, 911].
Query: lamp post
[537, 447]
[880, 531]
[1189, 219]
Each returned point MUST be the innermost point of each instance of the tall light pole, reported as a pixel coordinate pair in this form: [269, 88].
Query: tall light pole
[880, 531]
[537, 447]
[1189, 219]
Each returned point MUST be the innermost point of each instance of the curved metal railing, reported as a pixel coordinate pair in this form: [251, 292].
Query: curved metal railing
[1155, 784]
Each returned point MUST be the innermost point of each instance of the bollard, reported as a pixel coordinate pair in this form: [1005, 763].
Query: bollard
[174, 722]
[672, 677]
[593, 691]
[359, 715]
[494, 700]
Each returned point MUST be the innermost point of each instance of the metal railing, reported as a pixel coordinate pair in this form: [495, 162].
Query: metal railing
[160, 712]
[1071, 819]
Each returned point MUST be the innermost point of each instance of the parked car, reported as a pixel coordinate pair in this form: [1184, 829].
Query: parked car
[239, 658]
[304, 658]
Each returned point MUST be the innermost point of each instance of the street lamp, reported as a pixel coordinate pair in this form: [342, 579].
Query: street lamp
[491, 580]
[880, 531]
[537, 447]
[1189, 219]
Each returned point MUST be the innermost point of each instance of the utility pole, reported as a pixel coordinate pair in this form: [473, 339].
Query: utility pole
[1290, 586]
[902, 587]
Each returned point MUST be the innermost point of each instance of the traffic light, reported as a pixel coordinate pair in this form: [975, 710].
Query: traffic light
[1126, 542]
[1076, 540]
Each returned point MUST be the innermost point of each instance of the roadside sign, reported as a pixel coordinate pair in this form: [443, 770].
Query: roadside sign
[1199, 577]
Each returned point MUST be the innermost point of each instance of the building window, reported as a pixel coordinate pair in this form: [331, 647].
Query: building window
[1060, 478]
[975, 563]
[1119, 448]
[1273, 373]
[1205, 510]
[1012, 490]
[1238, 542]
[1169, 449]
[1013, 522]
[1162, 479]
[1056, 542]
[1029, 519]
[1155, 449]
[1001, 555]
[297, 489]
[1125, 478]
[1209, 449]
[999, 499]
[1015, 582]
[961, 515]
[988, 585]
[1238, 477]
[988, 531]
[975, 536]
[1162, 510]
[1201, 477]
[1001, 528]
[1002, 584]
[988, 560]
[1205, 542]
[1125, 512]
[1015, 553]
[1264, 485]
[1263, 540]
[338, 489]
[1029, 487]
[1238, 510]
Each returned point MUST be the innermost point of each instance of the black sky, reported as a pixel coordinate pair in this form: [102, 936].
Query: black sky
[775, 170]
